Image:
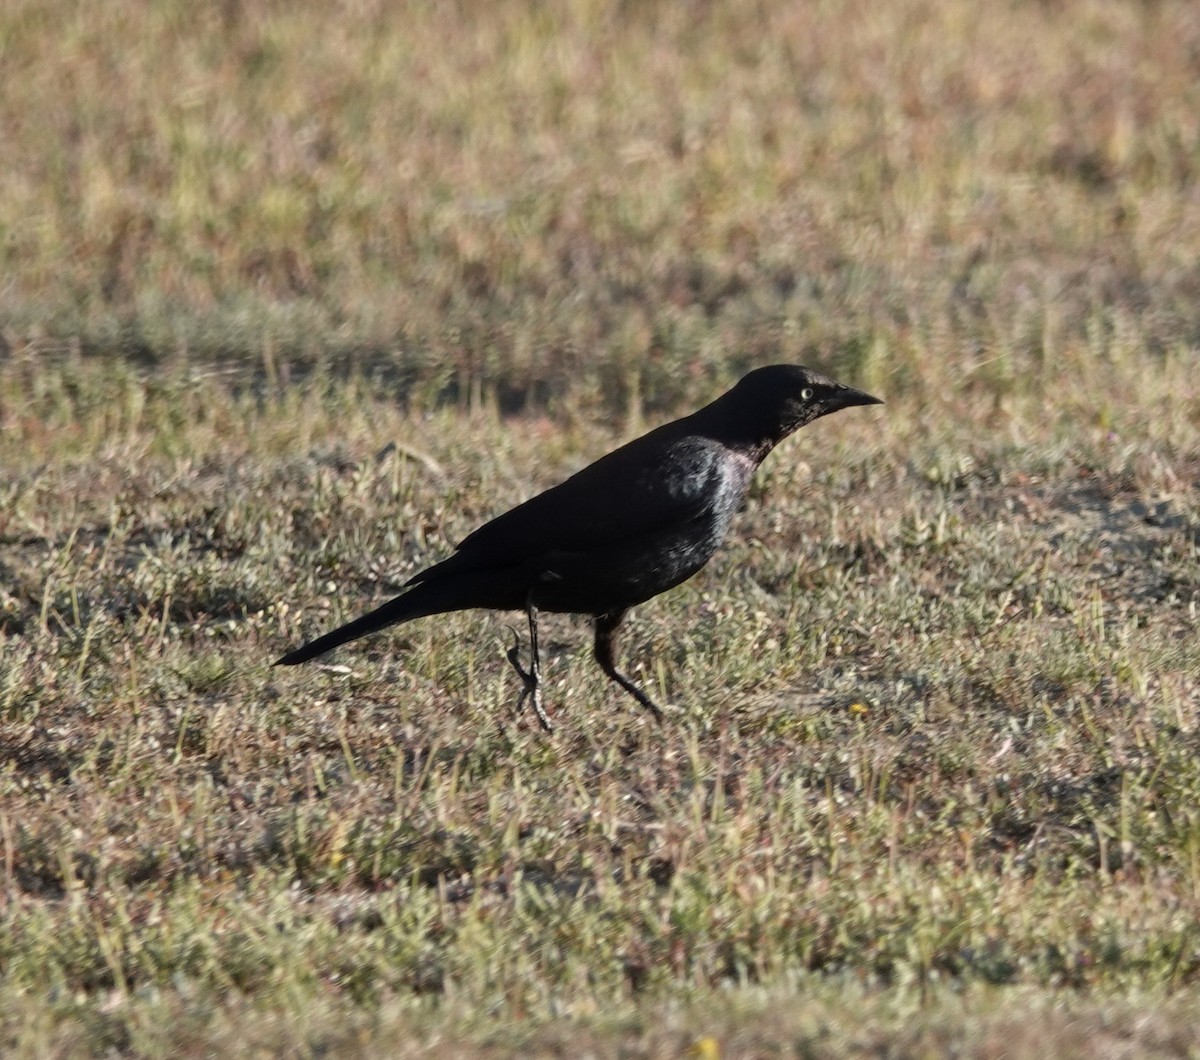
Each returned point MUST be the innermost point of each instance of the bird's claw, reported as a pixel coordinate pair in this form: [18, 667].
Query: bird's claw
[513, 655]
[529, 678]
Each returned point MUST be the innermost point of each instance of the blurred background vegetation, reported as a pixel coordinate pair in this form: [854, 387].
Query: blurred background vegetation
[631, 202]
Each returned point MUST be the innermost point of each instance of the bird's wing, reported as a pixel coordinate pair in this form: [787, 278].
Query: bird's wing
[659, 480]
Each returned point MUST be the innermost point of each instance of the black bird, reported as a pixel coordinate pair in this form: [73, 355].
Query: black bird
[632, 525]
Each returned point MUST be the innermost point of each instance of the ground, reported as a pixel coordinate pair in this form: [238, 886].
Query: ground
[294, 302]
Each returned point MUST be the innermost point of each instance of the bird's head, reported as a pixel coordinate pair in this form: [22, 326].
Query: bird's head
[774, 401]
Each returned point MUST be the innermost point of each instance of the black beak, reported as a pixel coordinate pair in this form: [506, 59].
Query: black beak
[846, 396]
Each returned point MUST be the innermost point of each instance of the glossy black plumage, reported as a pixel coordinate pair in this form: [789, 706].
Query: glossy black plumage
[630, 526]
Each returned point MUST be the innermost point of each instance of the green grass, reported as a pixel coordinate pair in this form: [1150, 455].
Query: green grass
[932, 742]
[292, 302]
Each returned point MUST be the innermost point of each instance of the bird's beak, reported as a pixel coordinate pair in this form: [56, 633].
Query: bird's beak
[846, 396]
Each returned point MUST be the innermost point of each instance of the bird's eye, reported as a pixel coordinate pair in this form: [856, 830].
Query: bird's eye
[806, 394]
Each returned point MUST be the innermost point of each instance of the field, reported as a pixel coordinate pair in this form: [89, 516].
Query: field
[295, 296]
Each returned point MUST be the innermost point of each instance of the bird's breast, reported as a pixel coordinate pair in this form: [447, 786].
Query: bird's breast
[632, 569]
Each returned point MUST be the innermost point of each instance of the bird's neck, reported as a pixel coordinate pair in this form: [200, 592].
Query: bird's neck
[739, 428]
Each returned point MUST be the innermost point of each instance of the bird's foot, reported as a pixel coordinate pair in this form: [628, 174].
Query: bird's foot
[636, 692]
[647, 702]
[532, 681]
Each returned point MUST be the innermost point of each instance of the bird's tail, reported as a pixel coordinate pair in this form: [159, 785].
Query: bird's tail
[418, 602]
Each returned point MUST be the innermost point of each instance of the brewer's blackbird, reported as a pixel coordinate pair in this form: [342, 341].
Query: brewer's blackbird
[635, 523]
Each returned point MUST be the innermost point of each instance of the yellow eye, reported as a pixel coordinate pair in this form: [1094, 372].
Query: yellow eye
[806, 394]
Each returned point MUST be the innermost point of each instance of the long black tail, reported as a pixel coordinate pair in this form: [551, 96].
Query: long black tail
[419, 601]
[503, 589]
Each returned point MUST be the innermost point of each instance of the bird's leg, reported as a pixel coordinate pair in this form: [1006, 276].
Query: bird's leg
[532, 677]
[606, 628]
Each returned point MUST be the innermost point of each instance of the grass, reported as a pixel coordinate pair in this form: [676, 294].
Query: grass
[933, 744]
[293, 302]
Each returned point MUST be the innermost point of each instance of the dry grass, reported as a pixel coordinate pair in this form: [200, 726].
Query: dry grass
[930, 779]
[585, 199]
